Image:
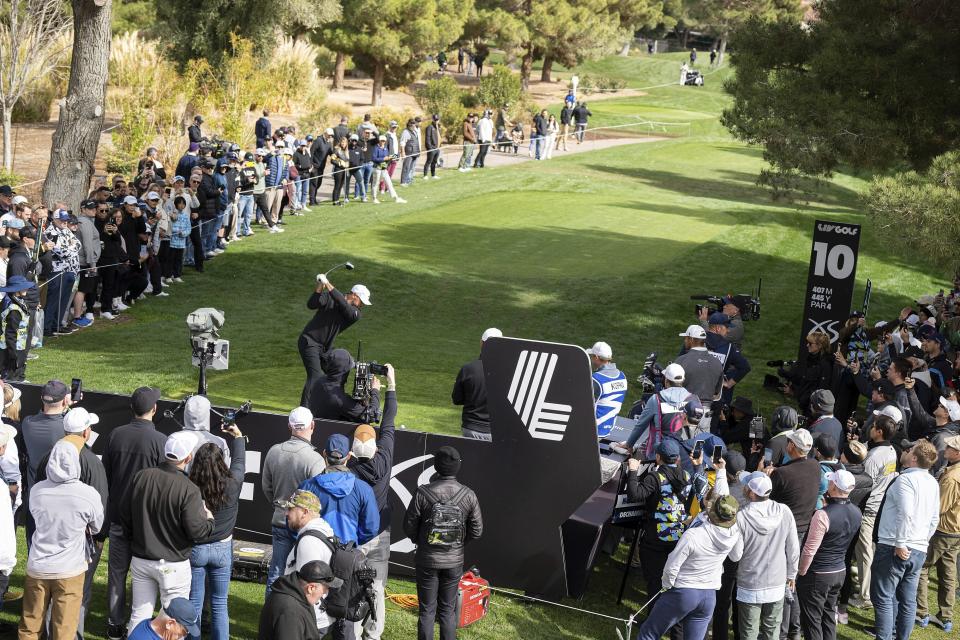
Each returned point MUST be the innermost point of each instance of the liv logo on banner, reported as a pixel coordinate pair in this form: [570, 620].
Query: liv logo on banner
[528, 396]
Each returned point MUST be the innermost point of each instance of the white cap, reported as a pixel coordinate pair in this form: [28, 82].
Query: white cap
[7, 433]
[300, 418]
[756, 481]
[801, 439]
[491, 333]
[13, 398]
[286, 152]
[153, 195]
[130, 200]
[674, 373]
[602, 350]
[363, 293]
[19, 200]
[952, 407]
[891, 411]
[328, 131]
[695, 331]
[842, 479]
[180, 445]
[913, 319]
[78, 419]
[260, 152]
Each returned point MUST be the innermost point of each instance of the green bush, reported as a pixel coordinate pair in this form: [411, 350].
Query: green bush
[499, 87]
[923, 208]
[443, 96]
[34, 106]
[9, 177]
[130, 138]
[590, 83]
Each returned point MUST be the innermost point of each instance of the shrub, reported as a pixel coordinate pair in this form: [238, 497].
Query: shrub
[130, 139]
[499, 87]
[292, 64]
[9, 177]
[34, 106]
[590, 83]
[323, 116]
[443, 96]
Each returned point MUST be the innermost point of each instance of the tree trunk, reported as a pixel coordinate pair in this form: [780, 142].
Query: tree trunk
[721, 50]
[547, 68]
[81, 113]
[526, 66]
[7, 133]
[685, 35]
[378, 71]
[625, 49]
[339, 68]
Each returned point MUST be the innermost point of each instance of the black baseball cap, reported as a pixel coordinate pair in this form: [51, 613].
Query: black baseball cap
[28, 232]
[89, 204]
[319, 571]
[885, 387]
[53, 391]
[5, 242]
[7, 190]
[144, 399]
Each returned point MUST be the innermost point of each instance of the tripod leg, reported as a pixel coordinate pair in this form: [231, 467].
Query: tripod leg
[626, 566]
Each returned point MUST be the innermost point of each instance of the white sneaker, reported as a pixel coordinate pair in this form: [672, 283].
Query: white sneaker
[400, 200]
[217, 251]
[462, 170]
[178, 279]
[436, 177]
[273, 230]
[118, 303]
[89, 316]
[96, 305]
[149, 289]
[376, 201]
[162, 294]
[106, 315]
[279, 229]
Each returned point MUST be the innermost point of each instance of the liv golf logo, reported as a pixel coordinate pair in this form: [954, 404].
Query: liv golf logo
[528, 395]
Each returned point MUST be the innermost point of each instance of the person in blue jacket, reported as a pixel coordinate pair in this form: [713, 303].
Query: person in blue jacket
[347, 503]
[735, 366]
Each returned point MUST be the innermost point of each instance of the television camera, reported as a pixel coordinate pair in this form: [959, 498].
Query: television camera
[748, 305]
[208, 349]
[363, 385]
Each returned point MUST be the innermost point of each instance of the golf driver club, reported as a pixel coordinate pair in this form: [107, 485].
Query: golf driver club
[346, 265]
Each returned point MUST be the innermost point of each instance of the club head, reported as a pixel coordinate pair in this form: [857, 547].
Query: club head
[348, 265]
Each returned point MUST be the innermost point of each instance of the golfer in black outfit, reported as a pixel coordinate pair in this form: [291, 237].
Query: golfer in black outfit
[335, 312]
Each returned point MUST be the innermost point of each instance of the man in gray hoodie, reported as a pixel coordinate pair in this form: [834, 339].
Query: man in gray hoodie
[66, 511]
[196, 420]
[771, 552]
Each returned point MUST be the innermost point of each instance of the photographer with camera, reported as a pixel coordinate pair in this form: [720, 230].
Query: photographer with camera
[329, 400]
[735, 329]
[817, 370]
[335, 312]
[196, 420]
[662, 415]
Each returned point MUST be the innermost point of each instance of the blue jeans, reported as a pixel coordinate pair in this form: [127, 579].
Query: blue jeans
[245, 210]
[208, 234]
[60, 287]
[283, 540]
[539, 146]
[691, 608]
[213, 561]
[893, 591]
[360, 186]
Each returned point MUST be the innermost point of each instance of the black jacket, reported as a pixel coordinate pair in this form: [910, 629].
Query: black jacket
[91, 474]
[208, 194]
[162, 514]
[862, 486]
[328, 400]
[262, 130]
[287, 615]
[340, 131]
[566, 115]
[416, 526]
[334, 314]
[431, 138]
[112, 251]
[20, 263]
[797, 485]
[470, 391]
[816, 371]
[193, 131]
[130, 449]
[225, 518]
[580, 114]
[319, 151]
[303, 163]
[645, 489]
[375, 471]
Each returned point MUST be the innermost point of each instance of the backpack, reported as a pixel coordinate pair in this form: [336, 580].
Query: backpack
[446, 519]
[665, 424]
[671, 509]
[352, 601]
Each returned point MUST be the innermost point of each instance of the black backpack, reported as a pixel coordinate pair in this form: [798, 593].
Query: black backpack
[446, 520]
[353, 601]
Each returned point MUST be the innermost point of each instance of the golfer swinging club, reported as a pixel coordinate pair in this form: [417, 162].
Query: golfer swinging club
[335, 312]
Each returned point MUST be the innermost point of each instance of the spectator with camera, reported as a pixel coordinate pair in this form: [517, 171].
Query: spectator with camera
[348, 503]
[470, 392]
[816, 370]
[664, 489]
[289, 610]
[330, 401]
[936, 428]
[439, 556]
[372, 462]
[335, 312]
[196, 420]
[733, 423]
[285, 467]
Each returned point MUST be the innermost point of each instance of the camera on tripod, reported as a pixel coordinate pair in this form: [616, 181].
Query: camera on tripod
[230, 416]
[747, 304]
[778, 382]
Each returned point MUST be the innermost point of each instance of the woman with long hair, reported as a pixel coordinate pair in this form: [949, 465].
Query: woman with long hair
[213, 558]
[10, 460]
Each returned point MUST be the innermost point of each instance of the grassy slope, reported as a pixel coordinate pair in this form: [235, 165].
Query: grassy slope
[607, 245]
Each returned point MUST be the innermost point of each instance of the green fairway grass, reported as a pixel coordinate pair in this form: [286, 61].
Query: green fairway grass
[607, 245]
